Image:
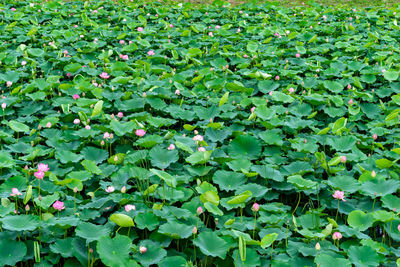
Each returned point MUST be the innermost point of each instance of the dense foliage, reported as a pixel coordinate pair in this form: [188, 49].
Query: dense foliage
[210, 136]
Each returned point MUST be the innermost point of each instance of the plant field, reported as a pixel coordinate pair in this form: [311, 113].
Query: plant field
[180, 135]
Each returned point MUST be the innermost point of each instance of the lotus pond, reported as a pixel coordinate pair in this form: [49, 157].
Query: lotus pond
[174, 135]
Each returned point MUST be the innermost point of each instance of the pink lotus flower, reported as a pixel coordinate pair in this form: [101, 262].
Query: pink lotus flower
[104, 75]
[375, 136]
[87, 127]
[253, 109]
[15, 192]
[240, 12]
[43, 167]
[298, 55]
[171, 26]
[336, 236]
[398, 227]
[194, 231]
[9, 83]
[3, 106]
[123, 189]
[198, 138]
[199, 210]
[121, 42]
[255, 207]
[140, 132]
[177, 92]
[76, 96]
[245, 56]
[129, 207]
[317, 246]
[124, 57]
[217, 27]
[373, 174]
[77, 121]
[58, 205]
[339, 195]
[48, 125]
[13, 9]
[65, 52]
[106, 135]
[343, 159]
[210, 34]
[75, 26]
[277, 78]
[351, 102]
[291, 90]
[23, 62]
[142, 249]
[171, 147]
[202, 149]
[120, 115]
[110, 189]
[349, 86]
[39, 175]
[150, 53]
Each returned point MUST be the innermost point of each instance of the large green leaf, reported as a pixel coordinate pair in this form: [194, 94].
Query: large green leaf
[115, 251]
[211, 244]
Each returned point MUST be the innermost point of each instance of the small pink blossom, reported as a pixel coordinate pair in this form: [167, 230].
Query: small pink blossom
[171, 26]
[343, 159]
[130, 207]
[317, 246]
[58, 205]
[253, 109]
[339, 195]
[23, 62]
[106, 135]
[9, 83]
[3, 106]
[202, 149]
[240, 12]
[198, 138]
[210, 34]
[110, 189]
[398, 227]
[121, 42]
[151, 53]
[245, 56]
[199, 210]
[194, 231]
[142, 249]
[291, 90]
[171, 147]
[87, 127]
[120, 115]
[104, 75]
[77, 121]
[277, 78]
[351, 102]
[48, 125]
[255, 207]
[177, 92]
[140, 132]
[217, 27]
[298, 55]
[39, 175]
[349, 86]
[76, 96]
[13, 9]
[373, 174]
[43, 167]
[336, 236]
[15, 192]
[374, 136]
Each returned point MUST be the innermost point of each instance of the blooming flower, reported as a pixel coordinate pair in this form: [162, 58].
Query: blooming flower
[110, 189]
[58, 205]
[75, 96]
[121, 42]
[343, 159]
[255, 207]
[351, 102]
[298, 55]
[87, 127]
[104, 75]
[177, 92]
[39, 175]
[210, 34]
[150, 53]
[23, 62]
[15, 192]
[3, 105]
[120, 115]
[106, 135]
[48, 125]
[140, 29]
[129, 207]
[142, 249]
[202, 149]
[245, 56]
[291, 90]
[171, 147]
[9, 83]
[140, 132]
[43, 167]
[277, 78]
[171, 26]
[339, 195]
[336, 236]
[77, 121]
[198, 138]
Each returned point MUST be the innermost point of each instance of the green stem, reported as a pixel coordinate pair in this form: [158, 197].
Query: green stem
[337, 210]
[298, 202]
[255, 220]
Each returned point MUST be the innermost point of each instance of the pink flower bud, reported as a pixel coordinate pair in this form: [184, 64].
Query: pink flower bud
[199, 210]
[255, 207]
[375, 136]
[317, 246]
[343, 159]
